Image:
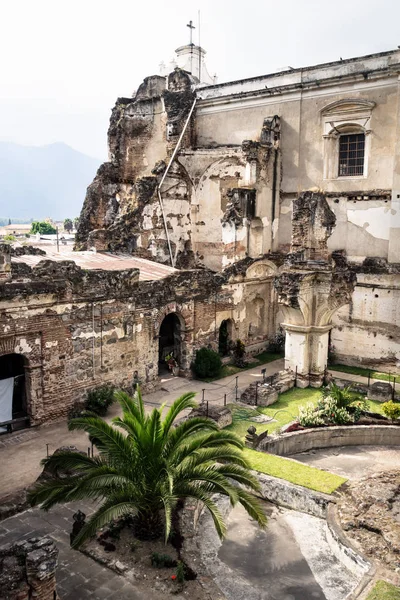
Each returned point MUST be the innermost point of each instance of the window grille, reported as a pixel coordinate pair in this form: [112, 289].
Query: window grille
[351, 155]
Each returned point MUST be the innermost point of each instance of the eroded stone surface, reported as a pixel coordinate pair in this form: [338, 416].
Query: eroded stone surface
[370, 514]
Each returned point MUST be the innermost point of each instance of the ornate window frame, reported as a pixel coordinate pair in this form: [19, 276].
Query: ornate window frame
[345, 117]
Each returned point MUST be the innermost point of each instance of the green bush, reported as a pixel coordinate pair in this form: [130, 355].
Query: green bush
[43, 228]
[9, 238]
[100, 399]
[333, 412]
[207, 363]
[310, 416]
[162, 560]
[277, 343]
[180, 572]
[391, 410]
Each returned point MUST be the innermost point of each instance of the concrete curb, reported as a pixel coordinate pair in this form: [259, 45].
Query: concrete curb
[331, 437]
[348, 553]
[296, 497]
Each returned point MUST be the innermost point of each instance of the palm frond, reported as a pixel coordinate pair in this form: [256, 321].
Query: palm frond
[198, 493]
[185, 431]
[211, 439]
[211, 480]
[253, 506]
[68, 460]
[108, 512]
[49, 493]
[214, 454]
[182, 403]
[133, 406]
[240, 474]
[108, 440]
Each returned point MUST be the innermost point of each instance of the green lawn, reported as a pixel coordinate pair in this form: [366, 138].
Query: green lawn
[295, 472]
[255, 361]
[384, 591]
[286, 409]
[362, 371]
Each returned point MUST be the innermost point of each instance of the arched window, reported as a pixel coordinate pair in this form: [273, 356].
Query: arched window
[346, 129]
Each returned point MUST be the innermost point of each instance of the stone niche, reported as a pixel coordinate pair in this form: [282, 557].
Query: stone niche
[27, 570]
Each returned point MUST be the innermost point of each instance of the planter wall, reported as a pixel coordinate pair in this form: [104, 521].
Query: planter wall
[331, 437]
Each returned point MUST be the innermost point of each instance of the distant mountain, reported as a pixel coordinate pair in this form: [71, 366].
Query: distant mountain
[43, 181]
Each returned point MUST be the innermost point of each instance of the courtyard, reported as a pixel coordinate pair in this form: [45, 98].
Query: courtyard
[292, 558]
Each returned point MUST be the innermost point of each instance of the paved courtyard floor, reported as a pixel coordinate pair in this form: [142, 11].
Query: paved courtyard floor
[78, 576]
[21, 452]
[353, 462]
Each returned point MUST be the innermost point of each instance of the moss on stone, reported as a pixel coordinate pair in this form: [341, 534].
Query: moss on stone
[384, 591]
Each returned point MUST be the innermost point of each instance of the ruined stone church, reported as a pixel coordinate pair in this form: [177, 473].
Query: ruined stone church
[254, 205]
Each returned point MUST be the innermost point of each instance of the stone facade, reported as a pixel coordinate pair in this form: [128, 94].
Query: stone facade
[239, 188]
[78, 328]
[232, 189]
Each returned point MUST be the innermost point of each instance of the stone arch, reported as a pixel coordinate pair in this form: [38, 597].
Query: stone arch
[14, 388]
[261, 269]
[225, 336]
[171, 337]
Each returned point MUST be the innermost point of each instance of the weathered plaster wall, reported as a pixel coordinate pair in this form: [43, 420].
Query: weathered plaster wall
[78, 329]
[367, 331]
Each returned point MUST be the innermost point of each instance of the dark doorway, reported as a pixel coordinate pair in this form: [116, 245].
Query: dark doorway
[13, 365]
[225, 337]
[169, 341]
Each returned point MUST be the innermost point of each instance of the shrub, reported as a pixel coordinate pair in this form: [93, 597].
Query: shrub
[332, 412]
[9, 238]
[344, 397]
[100, 399]
[391, 410]
[162, 560]
[277, 343]
[310, 416]
[207, 363]
[180, 572]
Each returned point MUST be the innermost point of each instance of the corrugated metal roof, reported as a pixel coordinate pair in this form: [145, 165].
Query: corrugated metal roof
[149, 270]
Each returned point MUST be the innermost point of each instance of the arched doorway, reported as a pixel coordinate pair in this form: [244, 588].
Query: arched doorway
[170, 342]
[13, 404]
[225, 337]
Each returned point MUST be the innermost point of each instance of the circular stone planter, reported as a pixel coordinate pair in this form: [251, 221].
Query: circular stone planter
[331, 437]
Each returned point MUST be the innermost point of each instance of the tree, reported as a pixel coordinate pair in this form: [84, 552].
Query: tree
[68, 225]
[145, 469]
[76, 222]
[43, 228]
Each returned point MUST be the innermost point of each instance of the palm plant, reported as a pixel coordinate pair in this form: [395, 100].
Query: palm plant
[145, 469]
[344, 397]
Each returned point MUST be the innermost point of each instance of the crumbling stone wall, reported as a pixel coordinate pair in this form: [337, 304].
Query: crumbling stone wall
[80, 328]
[27, 570]
[122, 209]
[200, 193]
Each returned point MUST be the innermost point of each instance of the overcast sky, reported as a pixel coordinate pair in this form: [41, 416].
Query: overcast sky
[64, 63]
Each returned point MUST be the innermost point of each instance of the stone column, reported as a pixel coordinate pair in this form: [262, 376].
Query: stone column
[311, 287]
[306, 349]
[5, 262]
